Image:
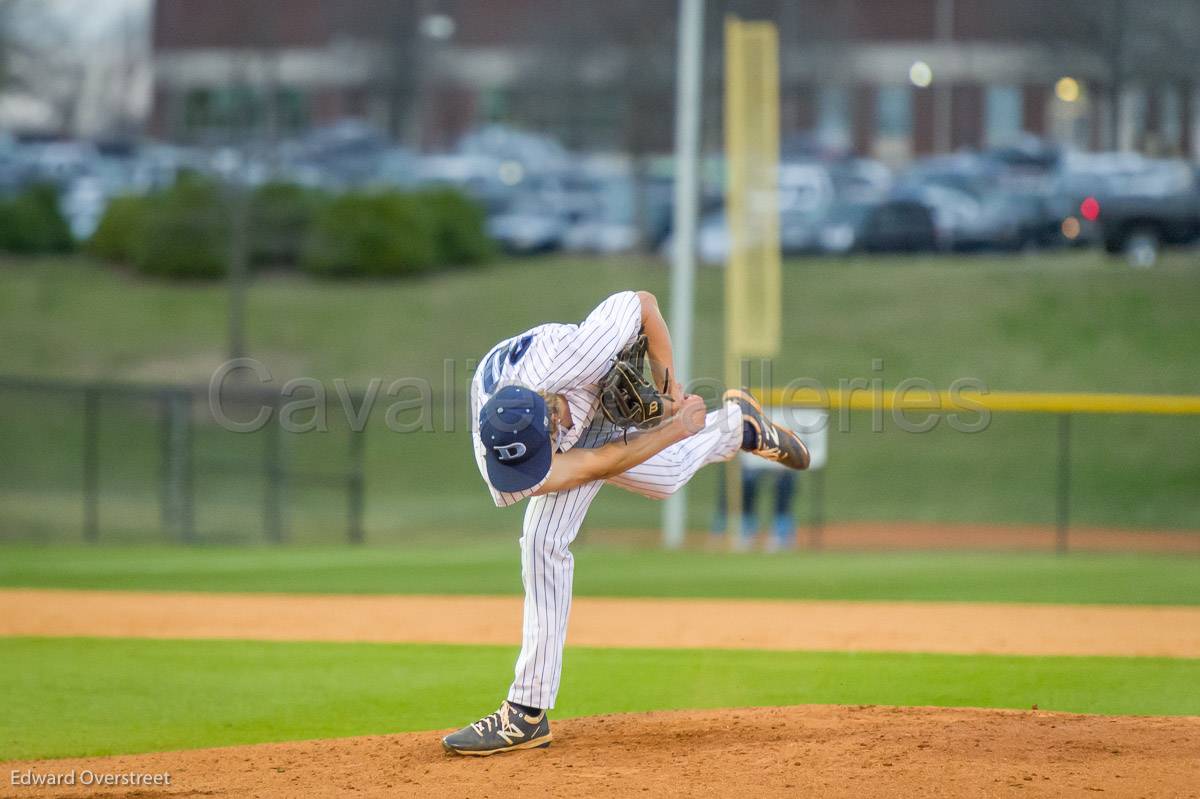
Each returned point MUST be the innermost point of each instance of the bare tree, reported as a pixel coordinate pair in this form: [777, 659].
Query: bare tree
[36, 58]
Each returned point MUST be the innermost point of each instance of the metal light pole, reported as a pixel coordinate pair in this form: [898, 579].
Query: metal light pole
[683, 255]
[943, 90]
[239, 278]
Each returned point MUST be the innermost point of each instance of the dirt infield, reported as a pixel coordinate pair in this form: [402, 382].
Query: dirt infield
[955, 627]
[791, 751]
[888, 536]
[919, 535]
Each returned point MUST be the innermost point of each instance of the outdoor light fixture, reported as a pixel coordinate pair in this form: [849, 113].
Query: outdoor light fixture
[1067, 89]
[438, 26]
[920, 75]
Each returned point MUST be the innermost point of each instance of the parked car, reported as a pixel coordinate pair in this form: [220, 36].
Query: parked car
[966, 173]
[1143, 219]
[804, 187]
[894, 225]
[530, 225]
[806, 191]
[600, 199]
[860, 179]
[60, 162]
[712, 239]
[956, 213]
[1009, 220]
[604, 222]
[1086, 176]
[1127, 202]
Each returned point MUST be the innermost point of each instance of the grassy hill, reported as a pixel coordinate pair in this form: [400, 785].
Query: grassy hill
[1063, 321]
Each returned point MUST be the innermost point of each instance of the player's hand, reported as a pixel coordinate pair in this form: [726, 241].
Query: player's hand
[690, 414]
[675, 392]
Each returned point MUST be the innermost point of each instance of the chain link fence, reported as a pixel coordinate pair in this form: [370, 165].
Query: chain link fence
[109, 462]
[152, 464]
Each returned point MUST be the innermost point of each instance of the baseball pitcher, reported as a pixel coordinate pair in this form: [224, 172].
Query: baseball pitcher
[557, 412]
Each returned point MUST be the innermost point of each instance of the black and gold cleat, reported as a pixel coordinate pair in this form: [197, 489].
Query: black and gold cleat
[773, 442]
[506, 730]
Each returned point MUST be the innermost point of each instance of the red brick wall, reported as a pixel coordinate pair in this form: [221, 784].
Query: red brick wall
[1033, 113]
[864, 122]
[307, 23]
[966, 116]
[924, 119]
[248, 23]
[893, 20]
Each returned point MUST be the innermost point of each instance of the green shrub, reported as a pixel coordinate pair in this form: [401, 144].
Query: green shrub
[281, 217]
[371, 235]
[119, 230]
[184, 232]
[32, 223]
[459, 225]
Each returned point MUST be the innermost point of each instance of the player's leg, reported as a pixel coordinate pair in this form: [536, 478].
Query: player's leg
[784, 526]
[751, 478]
[765, 438]
[663, 474]
[547, 569]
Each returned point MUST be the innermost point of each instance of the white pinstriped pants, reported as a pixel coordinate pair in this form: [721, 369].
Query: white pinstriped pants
[551, 524]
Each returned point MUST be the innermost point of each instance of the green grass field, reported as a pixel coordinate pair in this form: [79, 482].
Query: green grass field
[69, 697]
[1044, 322]
[97, 696]
[131, 696]
[476, 566]
[1047, 322]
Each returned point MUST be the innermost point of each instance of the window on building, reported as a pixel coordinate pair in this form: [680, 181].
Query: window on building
[237, 110]
[833, 116]
[1002, 115]
[292, 109]
[1132, 113]
[894, 111]
[197, 109]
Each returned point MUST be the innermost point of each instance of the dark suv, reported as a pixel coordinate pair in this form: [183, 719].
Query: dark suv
[1139, 226]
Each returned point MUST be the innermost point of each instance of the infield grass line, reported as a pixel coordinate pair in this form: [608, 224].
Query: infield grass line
[86, 696]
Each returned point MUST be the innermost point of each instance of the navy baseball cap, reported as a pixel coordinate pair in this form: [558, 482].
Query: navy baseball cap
[512, 428]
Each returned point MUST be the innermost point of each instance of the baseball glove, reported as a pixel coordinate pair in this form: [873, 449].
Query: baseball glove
[627, 398]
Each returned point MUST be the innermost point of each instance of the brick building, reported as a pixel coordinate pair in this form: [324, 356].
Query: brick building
[892, 78]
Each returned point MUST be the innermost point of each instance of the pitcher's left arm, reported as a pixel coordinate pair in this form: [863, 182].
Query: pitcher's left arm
[659, 350]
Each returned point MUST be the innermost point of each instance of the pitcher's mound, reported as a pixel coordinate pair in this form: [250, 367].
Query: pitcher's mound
[790, 751]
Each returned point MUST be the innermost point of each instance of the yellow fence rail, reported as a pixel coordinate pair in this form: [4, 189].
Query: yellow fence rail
[917, 399]
[920, 398]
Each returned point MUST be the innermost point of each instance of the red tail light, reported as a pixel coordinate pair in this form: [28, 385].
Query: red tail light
[1089, 209]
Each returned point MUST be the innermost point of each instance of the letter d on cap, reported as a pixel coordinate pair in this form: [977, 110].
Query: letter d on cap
[510, 452]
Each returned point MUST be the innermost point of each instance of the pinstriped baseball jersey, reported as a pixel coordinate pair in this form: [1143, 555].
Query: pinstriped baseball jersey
[553, 520]
[558, 358]
[572, 360]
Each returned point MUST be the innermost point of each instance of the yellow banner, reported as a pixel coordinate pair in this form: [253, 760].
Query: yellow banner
[752, 279]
